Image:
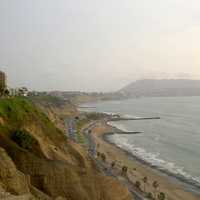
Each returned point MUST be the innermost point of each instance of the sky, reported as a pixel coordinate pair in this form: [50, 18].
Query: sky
[97, 45]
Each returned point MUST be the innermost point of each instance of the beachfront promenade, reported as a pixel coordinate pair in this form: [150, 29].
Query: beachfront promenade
[105, 168]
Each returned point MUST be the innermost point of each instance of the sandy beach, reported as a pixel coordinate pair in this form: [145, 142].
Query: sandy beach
[174, 189]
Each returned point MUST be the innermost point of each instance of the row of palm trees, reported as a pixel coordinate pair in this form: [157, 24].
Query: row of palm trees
[124, 170]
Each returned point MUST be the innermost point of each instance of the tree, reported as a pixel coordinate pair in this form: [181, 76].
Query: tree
[124, 170]
[113, 163]
[98, 154]
[2, 91]
[155, 186]
[103, 157]
[145, 180]
[161, 196]
[150, 195]
[6, 92]
[138, 184]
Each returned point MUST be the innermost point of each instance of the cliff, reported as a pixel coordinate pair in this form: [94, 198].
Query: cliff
[38, 162]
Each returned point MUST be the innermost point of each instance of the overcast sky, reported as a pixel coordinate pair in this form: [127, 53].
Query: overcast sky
[98, 45]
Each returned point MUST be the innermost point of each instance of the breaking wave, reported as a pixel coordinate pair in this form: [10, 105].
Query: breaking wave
[152, 158]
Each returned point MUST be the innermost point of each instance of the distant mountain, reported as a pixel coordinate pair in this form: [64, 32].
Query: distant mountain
[162, 87]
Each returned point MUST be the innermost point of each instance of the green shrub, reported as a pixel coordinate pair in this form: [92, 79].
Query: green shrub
[23, 139]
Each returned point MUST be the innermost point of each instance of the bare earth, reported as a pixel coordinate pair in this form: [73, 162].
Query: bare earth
[174, 190]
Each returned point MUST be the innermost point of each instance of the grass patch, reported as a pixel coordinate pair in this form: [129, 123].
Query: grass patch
[15, 110]
[19, 112]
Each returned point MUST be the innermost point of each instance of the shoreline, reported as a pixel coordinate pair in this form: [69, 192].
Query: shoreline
[169, 182]
[183, 180]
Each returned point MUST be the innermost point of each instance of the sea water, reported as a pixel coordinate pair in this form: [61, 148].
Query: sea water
[171, 143]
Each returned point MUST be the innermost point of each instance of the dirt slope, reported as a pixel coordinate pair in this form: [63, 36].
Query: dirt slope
[38, 162]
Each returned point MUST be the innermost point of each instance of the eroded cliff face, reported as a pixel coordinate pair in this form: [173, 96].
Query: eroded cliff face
[50, 167]
[11, 180]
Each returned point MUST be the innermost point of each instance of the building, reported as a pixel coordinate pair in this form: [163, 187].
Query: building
[13, 92]
[23, 91]
[3, 83]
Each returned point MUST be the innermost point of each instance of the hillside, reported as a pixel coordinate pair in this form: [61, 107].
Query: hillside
[83, 97]
[162, 87]
[38, 162]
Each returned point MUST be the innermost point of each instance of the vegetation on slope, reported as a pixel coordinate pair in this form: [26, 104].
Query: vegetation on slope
[19, 112]
[50, 165]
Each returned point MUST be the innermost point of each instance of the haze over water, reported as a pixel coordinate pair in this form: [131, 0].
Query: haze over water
[171, 143]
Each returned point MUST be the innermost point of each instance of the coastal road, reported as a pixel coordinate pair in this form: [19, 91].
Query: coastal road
[105, 168]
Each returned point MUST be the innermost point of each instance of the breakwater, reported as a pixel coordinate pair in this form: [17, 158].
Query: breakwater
[129, 118]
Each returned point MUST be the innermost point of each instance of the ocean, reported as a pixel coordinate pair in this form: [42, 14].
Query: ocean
[171, 143]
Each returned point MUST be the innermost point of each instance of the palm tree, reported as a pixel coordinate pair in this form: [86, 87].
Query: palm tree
[98, 154]
[103, 157]
[113, 163]
[137, 184]
[161, 196]
[124, 170]
[145, 180]
[149, 195]
[6, 92]
[155, 186]
[2, 91]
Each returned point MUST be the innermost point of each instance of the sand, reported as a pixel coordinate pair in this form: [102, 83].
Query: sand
[174, 189]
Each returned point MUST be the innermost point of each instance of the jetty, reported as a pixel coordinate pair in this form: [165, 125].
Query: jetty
[127, 132]
[86, 107]
[130, 118]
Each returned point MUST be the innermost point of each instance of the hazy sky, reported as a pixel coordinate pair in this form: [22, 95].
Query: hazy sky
[95, 45]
